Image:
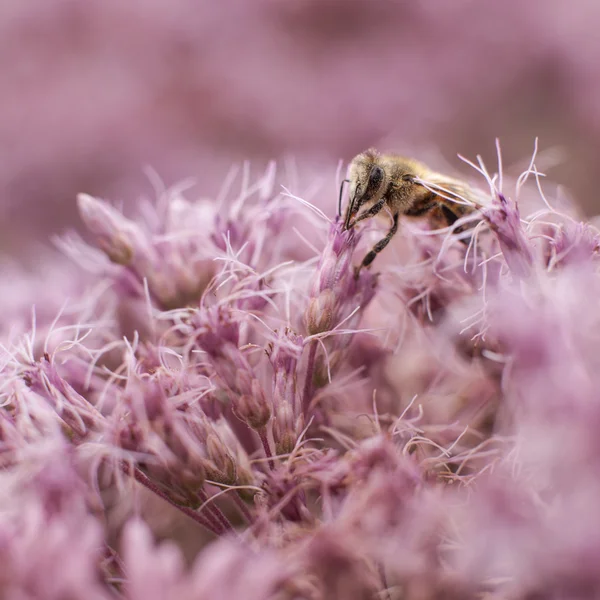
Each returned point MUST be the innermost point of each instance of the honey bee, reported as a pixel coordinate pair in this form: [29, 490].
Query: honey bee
[405, 187]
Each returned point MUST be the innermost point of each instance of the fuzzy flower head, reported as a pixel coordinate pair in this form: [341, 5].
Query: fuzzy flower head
[504, 220]
[232, 396]
[164, 256]
[573, 244]
[334, 286]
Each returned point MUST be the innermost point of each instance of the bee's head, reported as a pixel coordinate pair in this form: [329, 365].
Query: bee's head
[368, 182]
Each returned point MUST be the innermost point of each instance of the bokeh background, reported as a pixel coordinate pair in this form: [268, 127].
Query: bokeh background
[92, 92]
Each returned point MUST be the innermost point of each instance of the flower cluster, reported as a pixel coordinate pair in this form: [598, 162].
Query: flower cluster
[228, 409]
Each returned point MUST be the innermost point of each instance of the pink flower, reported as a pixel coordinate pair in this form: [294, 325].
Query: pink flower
[223, 415]
[504, 220]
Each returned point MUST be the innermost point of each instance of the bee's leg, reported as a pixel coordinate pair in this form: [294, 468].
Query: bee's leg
[418, 210]
[451, 214]
[443, 212]
[374, 210]
[379, 246]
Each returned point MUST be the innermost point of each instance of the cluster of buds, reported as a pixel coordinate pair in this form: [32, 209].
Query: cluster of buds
[338, 297]
[336, 289]
[217, 333]
[352, 497]
[284, 354]
[77, 416]
[169, 260]
[148, 425]
[176, 450]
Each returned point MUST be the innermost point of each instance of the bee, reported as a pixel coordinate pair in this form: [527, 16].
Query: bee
[405, 187]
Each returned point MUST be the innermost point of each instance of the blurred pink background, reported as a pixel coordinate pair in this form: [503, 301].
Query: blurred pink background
[93, 91]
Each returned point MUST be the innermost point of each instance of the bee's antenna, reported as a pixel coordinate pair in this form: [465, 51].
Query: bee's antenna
[341, 193]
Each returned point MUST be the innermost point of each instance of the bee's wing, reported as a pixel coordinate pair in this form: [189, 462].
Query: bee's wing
[455, 191]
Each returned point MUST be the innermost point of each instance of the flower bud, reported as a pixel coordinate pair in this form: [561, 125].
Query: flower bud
[112, 230]
[253, 408]
[320, 312]
[192, 479]
[285, 429]
[244, 381]
[224, 463]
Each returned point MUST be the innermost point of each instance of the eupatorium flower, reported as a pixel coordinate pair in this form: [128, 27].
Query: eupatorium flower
[231, 410]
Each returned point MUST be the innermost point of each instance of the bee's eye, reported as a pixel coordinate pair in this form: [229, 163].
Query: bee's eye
[375, 177]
